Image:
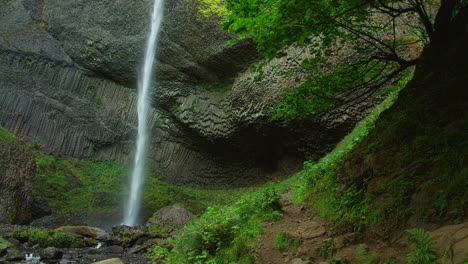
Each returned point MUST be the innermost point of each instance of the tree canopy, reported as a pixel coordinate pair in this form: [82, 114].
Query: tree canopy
[376, 33]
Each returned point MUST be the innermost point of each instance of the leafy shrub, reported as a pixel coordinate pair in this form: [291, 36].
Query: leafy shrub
[327, 249]
[47, 238]
[286, 242]
[227, 234]
[441, 204]
[422, 247]
[158, 253]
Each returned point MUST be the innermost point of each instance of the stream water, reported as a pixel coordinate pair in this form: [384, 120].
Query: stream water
[132, 208]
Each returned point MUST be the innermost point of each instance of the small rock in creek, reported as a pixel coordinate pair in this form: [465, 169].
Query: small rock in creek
[110, 261]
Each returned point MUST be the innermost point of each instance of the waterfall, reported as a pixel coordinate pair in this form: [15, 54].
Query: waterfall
[132, 209]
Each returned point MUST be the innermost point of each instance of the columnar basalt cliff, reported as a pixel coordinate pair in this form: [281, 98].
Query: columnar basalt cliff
[68, 78]
[17, 169]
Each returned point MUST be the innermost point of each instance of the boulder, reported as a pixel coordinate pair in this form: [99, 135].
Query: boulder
[111, 250]
[85, 231]
[17, 170]
[174, 216]
[452, 242]
[143, 248]
[51, 255]
[110, 261]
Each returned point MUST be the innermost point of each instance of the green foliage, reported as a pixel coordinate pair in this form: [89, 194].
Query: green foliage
[325, 27]
[422, 247]
[74, 186]
[227, 234]
[365, 257]
[5, 135]
[158, 253]
[212, 9]
[336, 261]
[441, 204]
[4, 243]
[47, 238]
[320, 186]
[286, 242]
[95, 186]
[159, 193]
[327, 249]
[35, 145]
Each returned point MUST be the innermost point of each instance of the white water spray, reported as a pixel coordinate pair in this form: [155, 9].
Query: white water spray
[132, 209]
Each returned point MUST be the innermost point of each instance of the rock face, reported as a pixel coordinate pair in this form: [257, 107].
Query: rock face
[17, 169]
[40, 208]
[68, 72]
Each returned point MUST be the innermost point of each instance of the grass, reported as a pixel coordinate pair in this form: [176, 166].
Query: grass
[95, 186]
[74, 186]
[5, 135]
[80, 187]
[319, 183]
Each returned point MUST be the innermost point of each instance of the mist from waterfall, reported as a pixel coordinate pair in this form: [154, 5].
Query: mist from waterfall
[132, 208]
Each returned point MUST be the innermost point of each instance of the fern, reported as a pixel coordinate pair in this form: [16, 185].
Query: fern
[365, 257]
[422, 252]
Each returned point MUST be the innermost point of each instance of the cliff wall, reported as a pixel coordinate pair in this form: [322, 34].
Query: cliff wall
[68, 78]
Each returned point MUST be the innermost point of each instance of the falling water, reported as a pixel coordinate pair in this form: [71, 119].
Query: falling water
[133, 204]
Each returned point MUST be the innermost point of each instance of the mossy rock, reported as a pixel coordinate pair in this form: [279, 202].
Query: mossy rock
[47, 238]
[17, 170]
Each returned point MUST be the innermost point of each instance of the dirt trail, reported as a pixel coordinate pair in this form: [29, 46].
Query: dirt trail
[304, 224]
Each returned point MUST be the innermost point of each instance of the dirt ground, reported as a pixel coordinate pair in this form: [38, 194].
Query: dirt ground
[303, 223]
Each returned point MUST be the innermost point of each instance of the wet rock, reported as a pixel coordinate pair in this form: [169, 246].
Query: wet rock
[173, 216]
[51, 255]
[143, 248]
[452, 241]
[111, 250]
[54, 221]
[17, 170]
[119, 230]
[3, 250]
[85, 231]
[16, 257]
[40, 208]
[110, 261]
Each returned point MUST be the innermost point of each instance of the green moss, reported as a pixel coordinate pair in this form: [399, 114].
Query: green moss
[47, 238]
[217, 87]
[159, 193]
[4, 243]
[74, 186]
[95, 186]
